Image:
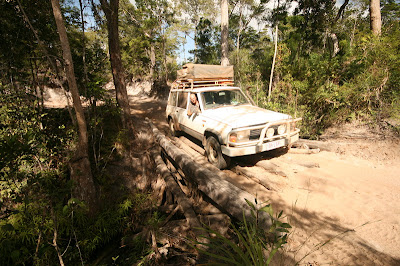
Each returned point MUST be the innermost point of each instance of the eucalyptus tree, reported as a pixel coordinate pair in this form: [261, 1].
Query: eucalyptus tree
[111, 11]
[375, 17]
[150, 35]
[208, 43]
[243, 13]
[315, 18]
[80, 171]
[224, 33]
[193, 11]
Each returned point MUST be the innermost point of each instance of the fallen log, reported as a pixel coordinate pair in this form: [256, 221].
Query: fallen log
[292, 161]
[304, 151]
[226, 196]
[192, 145]
[314, 144]
[172, 186]
[243, 171]
[271, 167]
[200, 159]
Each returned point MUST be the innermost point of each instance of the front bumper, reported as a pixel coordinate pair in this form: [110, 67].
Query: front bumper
[240, 151]
[263, 143]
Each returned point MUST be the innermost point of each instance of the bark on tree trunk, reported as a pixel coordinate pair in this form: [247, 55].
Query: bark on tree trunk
[81, 174]
[375, 17]
[224, 33]
[111, 11]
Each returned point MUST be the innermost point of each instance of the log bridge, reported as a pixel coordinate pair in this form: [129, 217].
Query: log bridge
[203, 178]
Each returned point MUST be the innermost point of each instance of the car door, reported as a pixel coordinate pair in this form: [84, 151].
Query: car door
[181, 109]
[171, 105]
[194, 124]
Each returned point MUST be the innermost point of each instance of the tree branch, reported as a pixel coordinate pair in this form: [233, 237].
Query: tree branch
[341, 10]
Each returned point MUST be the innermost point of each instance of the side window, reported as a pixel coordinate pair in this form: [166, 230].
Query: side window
[182, 99]
[172, 98]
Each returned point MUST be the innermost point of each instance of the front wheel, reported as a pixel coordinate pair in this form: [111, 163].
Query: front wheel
[214, 153]
[172, 128]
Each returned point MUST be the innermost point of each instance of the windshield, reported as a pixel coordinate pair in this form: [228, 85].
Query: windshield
[215, 99]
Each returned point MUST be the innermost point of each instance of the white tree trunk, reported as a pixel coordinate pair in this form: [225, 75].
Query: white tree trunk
[273, 64]
[335, 44]
[224, 33]
[375, 17]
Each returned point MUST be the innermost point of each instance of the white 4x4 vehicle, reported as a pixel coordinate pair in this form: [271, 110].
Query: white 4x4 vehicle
[226, 122]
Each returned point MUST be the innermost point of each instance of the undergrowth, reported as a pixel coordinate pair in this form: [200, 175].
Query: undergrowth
[254, 242]
[39, 221]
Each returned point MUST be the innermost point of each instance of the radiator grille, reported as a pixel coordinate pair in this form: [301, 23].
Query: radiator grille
[255, 134]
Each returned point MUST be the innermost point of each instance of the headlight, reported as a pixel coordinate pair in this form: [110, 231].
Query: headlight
[281, 129]
[240, 136]
[270, 132]
[233, 137]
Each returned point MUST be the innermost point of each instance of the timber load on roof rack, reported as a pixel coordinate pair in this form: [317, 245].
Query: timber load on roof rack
[194, 83]
[199, 75]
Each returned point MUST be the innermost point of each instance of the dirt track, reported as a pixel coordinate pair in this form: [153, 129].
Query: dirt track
[344, 206]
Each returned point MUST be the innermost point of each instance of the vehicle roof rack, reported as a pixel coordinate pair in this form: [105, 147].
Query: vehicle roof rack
[201, 83]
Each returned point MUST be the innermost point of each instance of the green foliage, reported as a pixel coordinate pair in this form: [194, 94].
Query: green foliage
[18, 47]
[255, 243]
[32, 175]
[311, 82]
[96, 64]
[35, 188]
[148, 30]
[208, 46]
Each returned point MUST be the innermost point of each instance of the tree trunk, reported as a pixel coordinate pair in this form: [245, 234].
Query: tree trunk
[152, 63]
[335, 45]
[85, 75]
[81, 174]
[375, 17]
[273, 64]
[111, 11]
[165, 58]
[224, 33]
[195, 47]
[239, 33]
[341, 10]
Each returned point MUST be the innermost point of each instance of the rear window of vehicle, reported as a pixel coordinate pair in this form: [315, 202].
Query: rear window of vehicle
[172, 98]
[182, 99]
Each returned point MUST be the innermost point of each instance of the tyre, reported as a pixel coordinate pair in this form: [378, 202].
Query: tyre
[172, 128]
[214, 153]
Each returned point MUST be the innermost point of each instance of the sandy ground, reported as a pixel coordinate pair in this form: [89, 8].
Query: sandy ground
[344, 211]
[352, 203]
